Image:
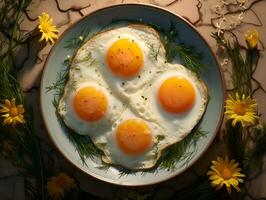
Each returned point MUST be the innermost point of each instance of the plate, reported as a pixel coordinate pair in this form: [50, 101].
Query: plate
[148, 14]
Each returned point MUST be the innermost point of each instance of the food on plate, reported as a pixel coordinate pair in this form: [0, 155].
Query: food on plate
[133, 142]
[132, 103]
[87, 105]
[175, 98]
[127, 57]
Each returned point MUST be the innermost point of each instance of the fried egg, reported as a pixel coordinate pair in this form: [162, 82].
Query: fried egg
[87, 105]
[127, 57]
[133, 142]
[176, 99]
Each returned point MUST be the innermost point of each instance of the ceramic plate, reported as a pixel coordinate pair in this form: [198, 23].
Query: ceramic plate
[147, 14]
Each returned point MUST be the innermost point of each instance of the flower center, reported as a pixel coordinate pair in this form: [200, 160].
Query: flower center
[240, 109]
[13, 112]
[46, 28]
[226, 173]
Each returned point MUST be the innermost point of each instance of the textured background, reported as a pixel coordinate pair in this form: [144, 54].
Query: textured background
[206, 15]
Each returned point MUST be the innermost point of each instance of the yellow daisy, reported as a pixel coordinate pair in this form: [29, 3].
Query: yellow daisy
[252, 38]
[46, 27]
[225, 172]
[11, 113]
[243, 110]
[58, 185]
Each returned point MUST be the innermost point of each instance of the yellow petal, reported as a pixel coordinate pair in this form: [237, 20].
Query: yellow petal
[8, 120]
[239, 175]
[13, 102]
[7, 103]
[209, 173]
[234, 122]
[53, 35]
[213, 177]
[217, 181]
[20, 119]
[215, 170]
[5, 115]
[20, 109]
[233, 181]
[5, 121]
[4, 110]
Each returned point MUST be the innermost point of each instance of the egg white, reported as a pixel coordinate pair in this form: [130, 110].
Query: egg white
[146, 103]
[82, 74]
[115, 156]
[150, 44]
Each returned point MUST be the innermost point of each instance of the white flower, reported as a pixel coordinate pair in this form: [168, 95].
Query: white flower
[241, 16]
[220, 26]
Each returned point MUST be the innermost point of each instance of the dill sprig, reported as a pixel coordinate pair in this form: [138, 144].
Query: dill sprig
[180, 151]
[83, 143]
[61, 78]
[169, 38]
[154, 51]
[75, 42]
[191, 59]
[84, 146]
[125, 172]
[72, 45]
[187, 54]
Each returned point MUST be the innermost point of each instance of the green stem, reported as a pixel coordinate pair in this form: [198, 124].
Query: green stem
[15, 26]
[36, 143]
[11, 44]
[40, 161]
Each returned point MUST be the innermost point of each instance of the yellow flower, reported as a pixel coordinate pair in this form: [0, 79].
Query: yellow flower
[46, 27]
[58, 185]
[225, 172]
[241, 110]
[252, 37]
[11, 113]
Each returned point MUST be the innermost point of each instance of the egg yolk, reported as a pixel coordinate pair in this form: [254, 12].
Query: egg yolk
[90, 104]
[176, 95]
[133, 136]
[125, 58]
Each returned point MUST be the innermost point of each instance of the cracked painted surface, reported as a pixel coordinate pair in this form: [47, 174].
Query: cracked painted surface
[206, 15]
